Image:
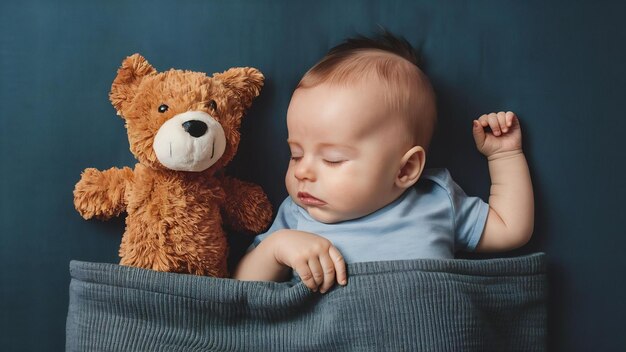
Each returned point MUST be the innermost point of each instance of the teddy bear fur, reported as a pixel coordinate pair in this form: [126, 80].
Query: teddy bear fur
[175, 219]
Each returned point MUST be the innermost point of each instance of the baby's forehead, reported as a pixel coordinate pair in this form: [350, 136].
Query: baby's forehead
[392, 102]
[346, 112]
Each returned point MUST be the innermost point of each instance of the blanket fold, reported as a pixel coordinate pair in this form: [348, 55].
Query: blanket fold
[411, 305]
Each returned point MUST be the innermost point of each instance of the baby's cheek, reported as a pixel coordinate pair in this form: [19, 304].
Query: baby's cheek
[290, 181]
[288, 177]
[348, 186]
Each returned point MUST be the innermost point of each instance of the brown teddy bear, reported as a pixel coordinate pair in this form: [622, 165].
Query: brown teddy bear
[183, 128]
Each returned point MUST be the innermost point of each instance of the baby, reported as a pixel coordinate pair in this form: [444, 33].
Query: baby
[360, 122]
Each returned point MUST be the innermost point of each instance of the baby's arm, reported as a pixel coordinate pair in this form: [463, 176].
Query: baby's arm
[511, 205]
[314, 258]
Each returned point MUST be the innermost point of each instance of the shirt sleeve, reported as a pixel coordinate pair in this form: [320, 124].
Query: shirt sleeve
[469, 214]
[285, 219]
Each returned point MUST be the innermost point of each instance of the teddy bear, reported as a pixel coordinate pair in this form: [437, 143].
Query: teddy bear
[183, 129]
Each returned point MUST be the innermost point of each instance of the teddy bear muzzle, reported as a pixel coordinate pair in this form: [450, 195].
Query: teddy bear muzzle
[191, 141]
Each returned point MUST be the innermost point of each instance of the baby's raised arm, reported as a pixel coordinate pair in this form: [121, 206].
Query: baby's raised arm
[314, 258]
[511, 204]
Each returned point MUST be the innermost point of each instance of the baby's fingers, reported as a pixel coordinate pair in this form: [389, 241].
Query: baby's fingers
[304, 271]
[479, 133]
[504, 127]
[334, 267]
[494, 124]
[317, 270]
[510, 118]
[340, 265]
[329, 273]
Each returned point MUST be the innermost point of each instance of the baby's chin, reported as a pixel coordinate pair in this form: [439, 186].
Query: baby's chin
[325, 218]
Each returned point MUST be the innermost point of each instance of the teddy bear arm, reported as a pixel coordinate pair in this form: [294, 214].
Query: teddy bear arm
[100, 194]
[246, 208]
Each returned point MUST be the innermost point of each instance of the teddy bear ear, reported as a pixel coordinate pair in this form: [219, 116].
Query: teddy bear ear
[246, 82]
[134, 68]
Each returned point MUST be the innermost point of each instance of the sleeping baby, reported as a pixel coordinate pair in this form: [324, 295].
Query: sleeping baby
[359, 125]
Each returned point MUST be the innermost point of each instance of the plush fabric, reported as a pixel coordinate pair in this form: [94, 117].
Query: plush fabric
[415, 305]
[183, 129]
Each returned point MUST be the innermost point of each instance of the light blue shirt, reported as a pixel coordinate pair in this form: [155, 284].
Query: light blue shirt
[431, 220]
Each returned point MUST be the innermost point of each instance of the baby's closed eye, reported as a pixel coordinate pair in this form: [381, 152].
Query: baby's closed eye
[296, 155]
[334, 157]
[334, 162]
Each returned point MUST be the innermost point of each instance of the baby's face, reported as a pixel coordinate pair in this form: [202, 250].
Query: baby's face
[346, 150]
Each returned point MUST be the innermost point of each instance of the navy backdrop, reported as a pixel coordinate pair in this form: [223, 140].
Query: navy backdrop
[558, 64]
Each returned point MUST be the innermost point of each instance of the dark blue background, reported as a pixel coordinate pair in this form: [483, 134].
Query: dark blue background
[558, 64]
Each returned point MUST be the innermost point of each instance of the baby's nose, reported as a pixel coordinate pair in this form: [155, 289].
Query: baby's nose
[304, 171]
[195, 128]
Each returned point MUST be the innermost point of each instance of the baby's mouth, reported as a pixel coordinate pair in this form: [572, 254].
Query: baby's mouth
[308, 199]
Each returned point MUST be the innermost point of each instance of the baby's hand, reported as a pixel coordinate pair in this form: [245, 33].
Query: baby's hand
[505, 135]
[314, 258]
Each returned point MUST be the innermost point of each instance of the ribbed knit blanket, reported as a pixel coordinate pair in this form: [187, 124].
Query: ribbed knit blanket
[415, 305]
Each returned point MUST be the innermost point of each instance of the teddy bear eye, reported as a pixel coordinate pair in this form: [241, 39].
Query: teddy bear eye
[163, 108]
[213, 105]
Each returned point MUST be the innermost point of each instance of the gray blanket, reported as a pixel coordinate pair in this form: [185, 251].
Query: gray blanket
[416, 305]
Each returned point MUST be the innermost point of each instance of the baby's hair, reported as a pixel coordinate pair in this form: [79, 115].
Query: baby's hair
[391, 59]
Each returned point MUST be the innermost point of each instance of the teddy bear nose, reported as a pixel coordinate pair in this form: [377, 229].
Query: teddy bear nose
[195, 128]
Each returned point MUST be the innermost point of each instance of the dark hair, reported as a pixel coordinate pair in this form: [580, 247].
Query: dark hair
[384, 40]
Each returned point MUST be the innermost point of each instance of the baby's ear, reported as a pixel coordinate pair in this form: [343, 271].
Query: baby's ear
[133, 70]
[411, 167]
[244, 82]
